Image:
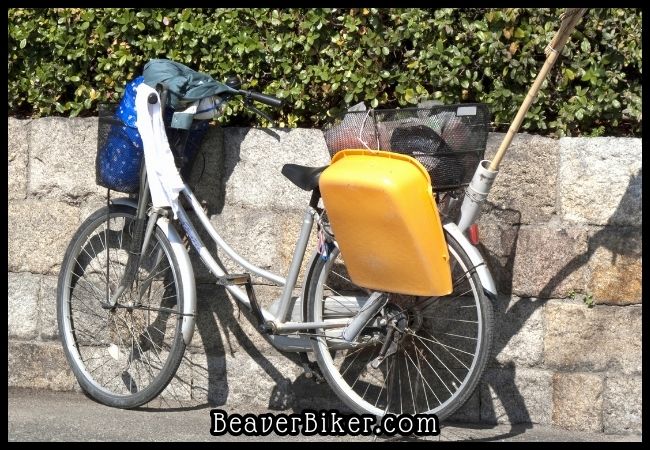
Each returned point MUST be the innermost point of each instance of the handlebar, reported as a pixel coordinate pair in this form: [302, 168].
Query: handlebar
[249, 96]
[262, 98]
[270, 100]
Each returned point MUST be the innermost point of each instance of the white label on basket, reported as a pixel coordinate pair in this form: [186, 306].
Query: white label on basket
[466, 111]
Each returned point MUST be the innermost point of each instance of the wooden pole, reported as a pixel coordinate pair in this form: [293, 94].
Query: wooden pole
[570, 19]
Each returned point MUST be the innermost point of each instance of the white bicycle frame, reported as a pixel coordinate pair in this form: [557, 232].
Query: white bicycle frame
[284, 337]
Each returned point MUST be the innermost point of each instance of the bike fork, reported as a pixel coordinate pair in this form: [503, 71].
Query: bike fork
[139, 242]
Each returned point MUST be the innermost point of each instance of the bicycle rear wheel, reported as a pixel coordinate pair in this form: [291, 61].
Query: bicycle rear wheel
[434, 356]
[122, 356]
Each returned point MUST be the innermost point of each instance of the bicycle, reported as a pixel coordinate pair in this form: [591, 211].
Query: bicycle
[126, 304]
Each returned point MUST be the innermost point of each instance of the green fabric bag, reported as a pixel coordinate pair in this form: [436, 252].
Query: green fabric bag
[185, 85]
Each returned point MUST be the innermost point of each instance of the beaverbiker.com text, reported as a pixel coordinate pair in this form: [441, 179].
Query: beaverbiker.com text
[324, 423]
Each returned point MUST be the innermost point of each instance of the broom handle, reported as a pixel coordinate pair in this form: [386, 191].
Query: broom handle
[570, 19]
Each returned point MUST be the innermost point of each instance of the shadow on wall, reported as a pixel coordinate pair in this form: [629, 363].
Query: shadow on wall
[626, 242]
[215, 164]
[217, 319]
[501, 266]
[630, 246]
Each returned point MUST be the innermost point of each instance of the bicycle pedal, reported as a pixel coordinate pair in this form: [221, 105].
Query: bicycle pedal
[234, 279]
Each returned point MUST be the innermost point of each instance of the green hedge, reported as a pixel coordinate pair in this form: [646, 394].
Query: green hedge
[65, 61]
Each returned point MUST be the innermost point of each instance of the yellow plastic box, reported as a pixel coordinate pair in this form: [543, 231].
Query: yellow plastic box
[384, 217]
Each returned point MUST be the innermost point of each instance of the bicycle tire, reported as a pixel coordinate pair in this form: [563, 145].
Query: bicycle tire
[434, 387]
[109, 368]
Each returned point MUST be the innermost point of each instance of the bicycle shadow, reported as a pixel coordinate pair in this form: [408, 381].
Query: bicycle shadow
[511, 319]
[220, 328]
[225, 342]
[224, 351]
[216, 317]
[512, 316]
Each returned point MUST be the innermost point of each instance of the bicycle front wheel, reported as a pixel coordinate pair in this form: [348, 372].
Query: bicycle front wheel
[122, 355]
[418, 356]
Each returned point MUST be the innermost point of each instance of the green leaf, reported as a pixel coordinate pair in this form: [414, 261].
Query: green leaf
[570, 74]
[23, 43]
[409, 96]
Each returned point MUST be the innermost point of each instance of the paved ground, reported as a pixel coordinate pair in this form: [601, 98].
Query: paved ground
[65, 416]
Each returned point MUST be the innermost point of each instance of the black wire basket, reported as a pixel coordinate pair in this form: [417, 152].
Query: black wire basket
[120, 150]
[448, 140]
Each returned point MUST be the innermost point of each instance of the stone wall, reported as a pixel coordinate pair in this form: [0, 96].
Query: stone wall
[562, 227]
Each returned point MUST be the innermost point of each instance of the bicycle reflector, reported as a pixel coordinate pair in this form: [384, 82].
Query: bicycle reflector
[472, 232]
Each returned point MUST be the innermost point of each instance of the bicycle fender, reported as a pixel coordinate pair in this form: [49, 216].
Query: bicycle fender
[475, 257]
[186, 271]
[303, 293]
[187, 275]
[125, 201]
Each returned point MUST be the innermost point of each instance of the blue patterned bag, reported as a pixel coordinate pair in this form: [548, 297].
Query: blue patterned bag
[119, 145]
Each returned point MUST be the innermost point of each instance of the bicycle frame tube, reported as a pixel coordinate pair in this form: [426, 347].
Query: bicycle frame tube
[284, 310]
[205, 221]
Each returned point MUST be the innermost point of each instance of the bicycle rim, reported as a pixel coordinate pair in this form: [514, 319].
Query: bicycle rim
[126, 355]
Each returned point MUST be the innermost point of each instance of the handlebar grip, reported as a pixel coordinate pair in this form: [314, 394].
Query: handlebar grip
[266, 99]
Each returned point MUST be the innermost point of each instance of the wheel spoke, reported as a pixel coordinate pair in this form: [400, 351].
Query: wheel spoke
[443, 345]
[408, 373]
[424, 380]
